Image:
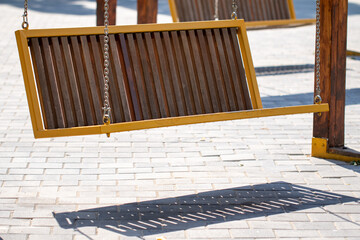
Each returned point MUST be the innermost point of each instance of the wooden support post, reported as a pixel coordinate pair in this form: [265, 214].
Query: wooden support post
[147, 11]
[100, 12]
[330, 126]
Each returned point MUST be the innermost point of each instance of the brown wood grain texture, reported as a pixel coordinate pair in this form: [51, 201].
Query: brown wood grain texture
[157, 80]
[217, 71]
[333, 38]
[224, 65]
[191, 81]
[210, 78]
[242, 90]
[117, 113]
[120, 84]
[338, 75]
[168, 91]
[62, 77]
[73, 85]
[127, 65]
[147, 11]
[43, 88]
[100, 12]
[233, 71]
[184, 85]
[200, 73]
[54, 86]
[82, 83]
[174, 75]
[250, 10]
[93, 86]
[151, 75]
[143, 96]
[148, 76]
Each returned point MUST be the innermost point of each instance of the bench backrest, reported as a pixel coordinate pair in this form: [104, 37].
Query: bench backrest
[169, 71]
[249, 10]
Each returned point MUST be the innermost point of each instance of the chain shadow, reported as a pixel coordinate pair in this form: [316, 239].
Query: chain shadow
[180, 213]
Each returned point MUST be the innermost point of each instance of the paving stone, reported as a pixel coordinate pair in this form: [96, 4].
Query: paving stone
[252, 233]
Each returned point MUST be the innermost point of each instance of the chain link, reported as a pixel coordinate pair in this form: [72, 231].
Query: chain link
[234, 7]
[216, 15]
[106, 108]
[25, 23]
[317, 98]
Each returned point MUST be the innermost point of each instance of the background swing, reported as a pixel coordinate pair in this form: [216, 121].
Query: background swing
[257, 14]
[152, 76]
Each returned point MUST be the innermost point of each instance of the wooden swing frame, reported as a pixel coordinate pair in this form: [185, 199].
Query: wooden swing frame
[37, 117]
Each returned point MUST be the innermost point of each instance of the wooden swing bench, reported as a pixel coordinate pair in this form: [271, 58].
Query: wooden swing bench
[256, 13]
[160, 75]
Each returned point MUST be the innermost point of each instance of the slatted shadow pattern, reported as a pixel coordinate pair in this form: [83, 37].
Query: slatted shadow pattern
[249, 10]
[152, 75]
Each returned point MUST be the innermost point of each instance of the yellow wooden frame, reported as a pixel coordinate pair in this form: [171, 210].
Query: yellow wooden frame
[320, 148]
[22, 37]
[293, 21]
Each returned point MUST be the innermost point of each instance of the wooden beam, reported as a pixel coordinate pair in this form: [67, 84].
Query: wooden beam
[147, 11]
[331, 126]
[100, 12]
[333, 35]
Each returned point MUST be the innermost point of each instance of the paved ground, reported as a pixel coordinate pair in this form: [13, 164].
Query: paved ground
[246, 179]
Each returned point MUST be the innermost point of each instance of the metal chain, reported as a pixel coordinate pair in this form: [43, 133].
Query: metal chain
[216, 15]
[234, 7]
[25, 23]
[317, 98]
[106, 108]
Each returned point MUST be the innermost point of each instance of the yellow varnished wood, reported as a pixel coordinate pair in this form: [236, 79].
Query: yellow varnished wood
[58, 32]
[177, 121]
[291, 9]
[320, 149]
[279, 23]
[173, 11]
[29, 81]
[249, 69]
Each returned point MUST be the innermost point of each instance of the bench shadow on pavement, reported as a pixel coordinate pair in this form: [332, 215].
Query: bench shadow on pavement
[185, 212]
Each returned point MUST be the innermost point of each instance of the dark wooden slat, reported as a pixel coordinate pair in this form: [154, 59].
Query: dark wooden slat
[93, 87]
[148, 76]
[158, 82]
[179, 95]
[217, 70]
[63, 80]
[58, 108]
[72, 82]
[285, 9]
[237, 88]
[240, 68]
[277, 10]
[117, 113]
[145, 105]
[213, 92]
[203, 87]
[185, 86]
[267, 10]
[130, 78]
[98, 64]
[191, 71]
[225, 70]
[42, 84]
[85, 96]
[119, 79]
[165, 72]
